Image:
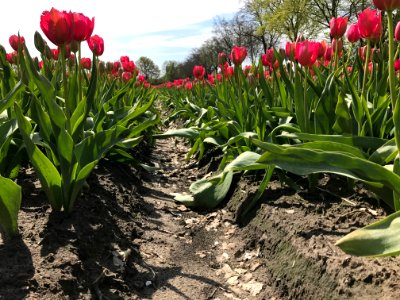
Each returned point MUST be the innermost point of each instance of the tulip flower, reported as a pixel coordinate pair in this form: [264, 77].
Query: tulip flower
[322, 49]
[211, 79]
[246, 70]
[57, 26]
[370, 24]
[268, 59]
[124, 59]
[229, 72]
[96, 44]
[353, 34]
[328, 54]
[307, 53]
[290, 50]
[238, 55]
[338, 27]
[55, 53]
[83, 27]
[16, 41]
[188, 85]
[86, 63]
[199, 72]
[128, 66]
[397, 65]
[386, 4]
[12, 57]
[126, 76]
[221, 58]
[397, 32]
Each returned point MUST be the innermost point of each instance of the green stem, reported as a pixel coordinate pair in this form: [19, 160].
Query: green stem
[366, 69]
[79, 74]
[64, 80]
[395, 106]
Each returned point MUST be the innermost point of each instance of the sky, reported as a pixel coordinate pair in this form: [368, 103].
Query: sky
[158, 29]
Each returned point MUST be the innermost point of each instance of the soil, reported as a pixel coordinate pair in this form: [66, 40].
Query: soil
[128, 239]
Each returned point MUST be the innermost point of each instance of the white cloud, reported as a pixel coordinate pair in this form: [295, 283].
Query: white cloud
[123, 24]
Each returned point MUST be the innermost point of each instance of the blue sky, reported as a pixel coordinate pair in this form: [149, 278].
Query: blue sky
[161, 30]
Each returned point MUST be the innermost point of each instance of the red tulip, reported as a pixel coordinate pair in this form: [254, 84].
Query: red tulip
[221, 58]
[353, 34]
[12, 57]
[199, 72]
[229, 72]
[238, 55]
[328, 54]
[57, 26]
[15, 41]
[188, 85]
[128, 66]
[55, 53]
[397, 32]
[370, 24]
[338, 27]
[83, 27]
[86, 63]
[268, 59]
[322, 49]
[290, 50]
[126, 76]
[246, 70]
[386, 4]
[124, 59]
[362, 51]
[397, 65]
[307, 52]
[211, 79]
[96, 44]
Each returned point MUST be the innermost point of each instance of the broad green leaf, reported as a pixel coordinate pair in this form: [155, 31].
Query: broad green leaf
[246, 161]
[364, 142]
[381, 238]
[94, 147]
[302, 161]
[332, 146]
[9, 99]
[10, 202]
[385, 154]
[42, 119]
[46, 171]
[191, 133]
[207, 193]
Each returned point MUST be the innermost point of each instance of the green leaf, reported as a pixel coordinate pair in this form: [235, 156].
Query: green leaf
[46, 171]
[9, 99]
[364, 142]
[94, 147]
[385, 154]
[307, 161]
[381, 238]
[191, 133]
[10, 202]
[207, 193]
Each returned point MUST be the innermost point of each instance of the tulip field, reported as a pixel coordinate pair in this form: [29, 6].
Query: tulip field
[311, 111]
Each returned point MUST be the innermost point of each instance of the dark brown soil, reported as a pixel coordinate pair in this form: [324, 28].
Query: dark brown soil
[128, 239]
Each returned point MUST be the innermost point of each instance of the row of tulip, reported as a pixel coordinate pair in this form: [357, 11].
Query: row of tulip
[62, 118]
[310, 108]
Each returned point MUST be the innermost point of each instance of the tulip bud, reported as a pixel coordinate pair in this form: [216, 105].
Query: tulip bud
[39, 42]
[397, 32]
